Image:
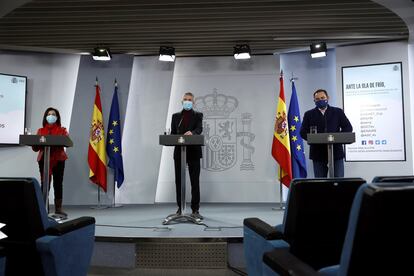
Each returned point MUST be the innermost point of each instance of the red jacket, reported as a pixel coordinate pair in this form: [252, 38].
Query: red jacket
[56, 153]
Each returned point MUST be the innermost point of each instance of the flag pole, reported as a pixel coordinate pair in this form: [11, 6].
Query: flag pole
[114, 205]
[99, 206]
[281, 207]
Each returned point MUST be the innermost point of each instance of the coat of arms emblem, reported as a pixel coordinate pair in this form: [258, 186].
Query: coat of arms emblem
[221, 135]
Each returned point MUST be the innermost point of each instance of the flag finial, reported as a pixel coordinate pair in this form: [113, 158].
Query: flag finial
[96, 80]
[293, 78]
[116, 83]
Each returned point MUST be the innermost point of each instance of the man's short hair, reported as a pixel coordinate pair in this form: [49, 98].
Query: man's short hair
[320, 90]
[189, 94]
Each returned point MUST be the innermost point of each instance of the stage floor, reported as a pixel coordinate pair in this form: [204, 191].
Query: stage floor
[221, 220]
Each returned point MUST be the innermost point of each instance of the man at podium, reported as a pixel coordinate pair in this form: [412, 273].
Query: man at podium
[188, 122]
[321, 119]
[52, 126]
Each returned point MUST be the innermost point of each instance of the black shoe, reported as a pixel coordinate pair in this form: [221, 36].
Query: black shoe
[178, 211]
[197, 215]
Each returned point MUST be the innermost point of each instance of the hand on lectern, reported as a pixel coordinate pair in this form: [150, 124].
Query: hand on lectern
[188, 133]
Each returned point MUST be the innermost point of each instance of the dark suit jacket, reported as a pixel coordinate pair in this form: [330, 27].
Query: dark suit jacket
[334, 120]
[195, 126]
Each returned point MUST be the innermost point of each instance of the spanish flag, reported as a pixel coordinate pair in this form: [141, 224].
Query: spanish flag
[281, 144]
[97, 149]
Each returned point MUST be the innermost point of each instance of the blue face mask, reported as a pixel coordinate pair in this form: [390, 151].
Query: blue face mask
[51, 119]
[187, 105]
[321, 104]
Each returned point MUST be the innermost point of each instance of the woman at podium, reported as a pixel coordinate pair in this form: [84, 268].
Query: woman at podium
[52, 126]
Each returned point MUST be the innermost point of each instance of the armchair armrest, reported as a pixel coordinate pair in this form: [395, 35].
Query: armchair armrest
[285, 263]
[67, 248]
[63, 228]
[263, 229]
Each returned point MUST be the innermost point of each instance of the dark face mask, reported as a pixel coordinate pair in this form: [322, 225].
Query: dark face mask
[321, 104]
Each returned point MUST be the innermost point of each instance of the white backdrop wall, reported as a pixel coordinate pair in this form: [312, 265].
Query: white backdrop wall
[77, 188]
[374, 54]
[238, 99]
[150, 92]
[149, 96]
[51, 82]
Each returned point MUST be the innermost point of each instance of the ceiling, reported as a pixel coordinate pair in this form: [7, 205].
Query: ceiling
[195, 27]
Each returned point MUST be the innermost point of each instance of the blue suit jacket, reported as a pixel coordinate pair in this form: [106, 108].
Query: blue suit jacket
[334, 120]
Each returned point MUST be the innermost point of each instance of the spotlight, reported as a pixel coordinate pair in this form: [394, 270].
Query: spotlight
[318, 49]
[242, 51]
[101, 53]
[167, 54]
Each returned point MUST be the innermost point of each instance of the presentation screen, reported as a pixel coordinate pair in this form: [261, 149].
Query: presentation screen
[12, 108]
[373, 102]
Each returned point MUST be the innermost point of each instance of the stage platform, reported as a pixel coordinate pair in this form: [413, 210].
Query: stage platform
[134, 236]
[145, 221]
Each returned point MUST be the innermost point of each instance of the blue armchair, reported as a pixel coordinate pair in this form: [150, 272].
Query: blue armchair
[36, 243]
[314, 223]
[378, 241]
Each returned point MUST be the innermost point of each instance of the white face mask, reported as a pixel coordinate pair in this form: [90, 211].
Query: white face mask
[187, 105]
[51, 119]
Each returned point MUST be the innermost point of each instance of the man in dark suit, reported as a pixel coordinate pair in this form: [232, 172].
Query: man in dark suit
[325, 118]
[188, 122]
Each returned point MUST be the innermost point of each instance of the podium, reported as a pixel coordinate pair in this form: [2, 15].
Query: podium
[331, 138]
[45, 141]
[183, 141]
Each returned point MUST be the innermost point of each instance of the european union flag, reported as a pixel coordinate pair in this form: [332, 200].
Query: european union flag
[113, 142]
[296, 143]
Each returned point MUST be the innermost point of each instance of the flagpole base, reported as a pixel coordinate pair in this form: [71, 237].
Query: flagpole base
[281, 207]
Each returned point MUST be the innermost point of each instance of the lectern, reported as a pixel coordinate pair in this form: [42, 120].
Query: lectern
[183, 141]
[331, 138]
[46, 141]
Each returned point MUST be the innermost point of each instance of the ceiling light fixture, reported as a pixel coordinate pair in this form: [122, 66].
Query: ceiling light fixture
[242, 51]
[101, 53]
[167, 53]
[318, 49]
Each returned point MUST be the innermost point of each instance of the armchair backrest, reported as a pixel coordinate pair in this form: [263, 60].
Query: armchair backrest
[316, 218]
[23, 211]
[397, 178]
[380, 238]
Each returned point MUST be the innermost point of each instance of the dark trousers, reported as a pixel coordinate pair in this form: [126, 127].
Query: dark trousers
[320, 168]
[57, 174]
[194, 171]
